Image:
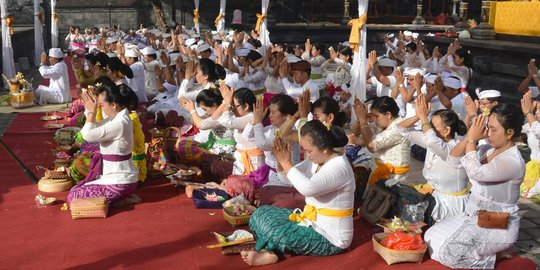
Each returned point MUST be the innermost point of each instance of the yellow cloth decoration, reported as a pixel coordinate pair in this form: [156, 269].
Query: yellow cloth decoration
[138, 145]
[218, 19]
[196, 15]
[384, 170]
[310, 212]
[246, 162]
[56, 17]
[356, 26]
[260, 19]
[9, 24]
[532, 174]
[516, 18]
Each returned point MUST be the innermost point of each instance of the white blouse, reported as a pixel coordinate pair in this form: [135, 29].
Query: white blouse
[497, 180]
[295, 90]
[391, 147]
[272, 84]
[315, 62]
[440, 175]
[115, 137]
[254, 79]
[331, 187]
[264, 138]
[189, 89]
[229, 120]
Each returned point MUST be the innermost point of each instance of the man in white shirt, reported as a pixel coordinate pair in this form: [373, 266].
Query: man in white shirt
[58, 90]
[137, 82]
[150, 63]
[390, 43]
[450, 96]
[302, 80]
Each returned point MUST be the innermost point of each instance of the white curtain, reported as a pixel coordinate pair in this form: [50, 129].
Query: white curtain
[196, 16]
[8, 66]
[220, 25]
[358, 70]
[264, 33]
[54, 25]
[38, 34]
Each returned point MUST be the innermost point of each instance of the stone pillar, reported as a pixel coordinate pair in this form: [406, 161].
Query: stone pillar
[419, 19]
[484, 30]
[462, 24]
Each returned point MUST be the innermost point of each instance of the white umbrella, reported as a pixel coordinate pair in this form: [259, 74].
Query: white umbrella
[8, 66]
[38, 34]
[54, 25]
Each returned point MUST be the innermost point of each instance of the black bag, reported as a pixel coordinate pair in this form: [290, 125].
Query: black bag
[377, 204]
[408, 195]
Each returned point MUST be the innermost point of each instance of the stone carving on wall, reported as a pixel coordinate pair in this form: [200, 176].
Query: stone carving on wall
[22, 11]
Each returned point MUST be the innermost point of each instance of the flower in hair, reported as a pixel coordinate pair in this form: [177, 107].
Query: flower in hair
[98, 85]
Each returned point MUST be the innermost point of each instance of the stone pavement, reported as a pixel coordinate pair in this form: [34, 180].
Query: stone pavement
[528, 244]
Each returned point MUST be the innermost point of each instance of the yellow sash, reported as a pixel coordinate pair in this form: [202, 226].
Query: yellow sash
[384, 170]
[426, 188]
[246, 162]
[310, 212]
[259, 91]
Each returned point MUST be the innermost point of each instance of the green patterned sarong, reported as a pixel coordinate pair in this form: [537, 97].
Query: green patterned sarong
[274, 231]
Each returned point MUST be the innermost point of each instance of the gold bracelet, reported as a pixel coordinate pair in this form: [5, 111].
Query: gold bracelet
[471, 141]
[426, 124]
[364, 126]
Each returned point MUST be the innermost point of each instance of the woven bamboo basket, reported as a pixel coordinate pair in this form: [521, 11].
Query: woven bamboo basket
[52, 174]
[392, 256]
[234, 220]
[54, 185]
[89, 208]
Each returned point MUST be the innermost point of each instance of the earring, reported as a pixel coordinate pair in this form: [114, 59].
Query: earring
[325, 151]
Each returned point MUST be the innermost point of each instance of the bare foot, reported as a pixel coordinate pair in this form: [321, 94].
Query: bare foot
[256, 258]
[133, 199]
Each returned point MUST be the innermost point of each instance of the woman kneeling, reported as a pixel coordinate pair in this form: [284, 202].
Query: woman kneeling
[113, 174]
[326, 179]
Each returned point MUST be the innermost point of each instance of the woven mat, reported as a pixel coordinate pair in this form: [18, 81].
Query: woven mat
[45, 108]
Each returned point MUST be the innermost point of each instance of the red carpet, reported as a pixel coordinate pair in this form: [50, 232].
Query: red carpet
[165, 232]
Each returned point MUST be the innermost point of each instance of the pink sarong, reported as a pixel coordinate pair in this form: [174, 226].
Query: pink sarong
[111, 192]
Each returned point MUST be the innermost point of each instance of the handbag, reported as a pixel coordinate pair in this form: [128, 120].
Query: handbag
[377, 204]
[493, 220]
